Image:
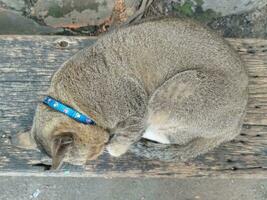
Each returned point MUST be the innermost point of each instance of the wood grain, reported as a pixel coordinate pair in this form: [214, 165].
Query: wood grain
[26, 66]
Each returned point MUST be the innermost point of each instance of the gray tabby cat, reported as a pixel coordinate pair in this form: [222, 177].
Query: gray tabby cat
[171, 81]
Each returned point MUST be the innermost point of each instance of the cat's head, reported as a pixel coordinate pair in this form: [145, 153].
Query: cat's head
[66, 140]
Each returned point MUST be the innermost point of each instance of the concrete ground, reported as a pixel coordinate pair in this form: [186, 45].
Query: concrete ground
[89, 188]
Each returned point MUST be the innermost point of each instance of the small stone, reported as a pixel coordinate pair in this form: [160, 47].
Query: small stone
[14, 23]
[18, 5]
[6, 141]
[36, 193]
[66, 172]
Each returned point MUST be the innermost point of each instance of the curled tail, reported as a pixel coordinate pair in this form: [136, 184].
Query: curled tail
[174, 152]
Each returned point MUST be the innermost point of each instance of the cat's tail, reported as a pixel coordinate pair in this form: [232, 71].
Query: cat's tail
[174, 152]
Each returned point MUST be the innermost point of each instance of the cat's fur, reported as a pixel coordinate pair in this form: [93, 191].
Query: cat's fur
[171, 79]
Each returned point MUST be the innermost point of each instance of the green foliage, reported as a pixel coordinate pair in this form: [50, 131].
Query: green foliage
[185, 9]
[59, 11]
[193, 9]
[199, 2]
[55, 11]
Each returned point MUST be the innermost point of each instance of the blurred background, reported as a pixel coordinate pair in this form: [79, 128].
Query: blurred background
[232, 18]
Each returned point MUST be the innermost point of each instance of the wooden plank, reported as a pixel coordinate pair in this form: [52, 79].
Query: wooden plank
[26, 66]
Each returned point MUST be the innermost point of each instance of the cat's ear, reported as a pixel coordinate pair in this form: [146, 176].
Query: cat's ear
[24, 140]
[61, 145]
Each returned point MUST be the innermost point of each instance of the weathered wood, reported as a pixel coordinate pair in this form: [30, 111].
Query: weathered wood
[26, 66]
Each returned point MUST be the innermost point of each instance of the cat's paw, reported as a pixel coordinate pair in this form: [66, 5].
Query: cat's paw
[116, 149]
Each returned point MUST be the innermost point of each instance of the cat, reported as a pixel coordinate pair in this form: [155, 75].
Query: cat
[171, 81]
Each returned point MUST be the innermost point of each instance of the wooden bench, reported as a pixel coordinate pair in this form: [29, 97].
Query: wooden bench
[26, 66]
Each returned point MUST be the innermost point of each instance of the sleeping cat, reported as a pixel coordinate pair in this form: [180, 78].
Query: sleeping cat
[167, 80]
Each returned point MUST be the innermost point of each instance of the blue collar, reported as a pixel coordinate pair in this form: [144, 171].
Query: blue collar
[72, 113]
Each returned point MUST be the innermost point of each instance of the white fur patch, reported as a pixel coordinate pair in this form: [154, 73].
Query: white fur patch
[152, 134]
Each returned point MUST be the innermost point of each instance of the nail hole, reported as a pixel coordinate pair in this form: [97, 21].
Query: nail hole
[63, 44]
[257, 107]
[234, 168]
[229, 160]
[243, 134]
[258, 135]
[251, 51]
